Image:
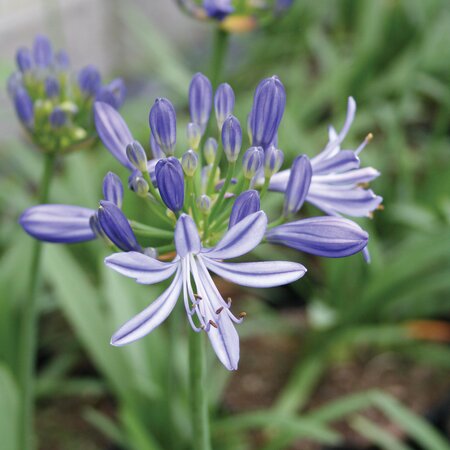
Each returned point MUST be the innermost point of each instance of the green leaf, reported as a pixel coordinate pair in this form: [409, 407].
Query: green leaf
[9, 410]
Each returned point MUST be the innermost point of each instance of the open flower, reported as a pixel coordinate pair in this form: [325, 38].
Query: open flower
[337, 183]
[190, 269]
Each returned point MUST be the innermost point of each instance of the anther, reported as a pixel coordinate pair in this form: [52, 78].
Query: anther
[369, 137]
[219, 310]
[198, 297]
[242, 314]
[380, 207]
[229, 301]
[214, 324]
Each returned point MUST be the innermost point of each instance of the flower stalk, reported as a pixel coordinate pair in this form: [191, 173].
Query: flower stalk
[28, 334]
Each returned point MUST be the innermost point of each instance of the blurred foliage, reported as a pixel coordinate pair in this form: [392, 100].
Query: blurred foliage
[393, 57]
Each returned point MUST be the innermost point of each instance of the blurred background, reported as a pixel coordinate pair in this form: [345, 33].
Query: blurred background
[353, 356]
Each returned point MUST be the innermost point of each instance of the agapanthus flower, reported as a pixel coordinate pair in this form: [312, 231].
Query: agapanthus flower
[190, 271]
[338, 182]
[205, 209]
[53, 102]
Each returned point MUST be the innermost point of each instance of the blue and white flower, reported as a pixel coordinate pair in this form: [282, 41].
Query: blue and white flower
[190, 271]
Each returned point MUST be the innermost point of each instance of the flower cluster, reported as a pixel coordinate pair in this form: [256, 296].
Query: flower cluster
[53, 102]
[205, 205]
[234, 16]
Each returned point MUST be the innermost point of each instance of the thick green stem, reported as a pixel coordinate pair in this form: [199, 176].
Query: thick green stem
[223, 191]
[218, 55]
[200, 416]
[28, 330]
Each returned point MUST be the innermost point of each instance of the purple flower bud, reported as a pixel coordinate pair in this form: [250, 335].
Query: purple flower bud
[51, 87]
[116, 226]
[252, 161]
[24, 59]
[204, 204]
[163, 123]
[58, 117]
[210, 150]
[89, 80]
[62, 60]
[42, 51]
[189, 162]
[200, 100]
[156, 149]
[298, 185]
[218, 9]
[268, 108]
[113, 189]
[170, 181]
[231, 138]
[245, 204]
[194, 135]
[137, 156]
[273, 160]
[223, 103]
[24, 106]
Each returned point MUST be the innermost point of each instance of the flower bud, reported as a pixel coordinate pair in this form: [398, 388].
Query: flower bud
[200, 100]
[252, 161]
[245, 204]
[163, 124]
[42, 51]
[204, 204]
[298, 185]
[194, 135]
[116, 226]
[113, 189]
[89, 80]
[58, 117]
[267, 111]
[51, 87]
[24, 59]
[273, 160]
[189, 162]
[170, 181]
[231, 138]
[113, 93]
[218, 9]
[223, 103]
[137, 156]
[24, 106]
[14, 83]
[210, 150]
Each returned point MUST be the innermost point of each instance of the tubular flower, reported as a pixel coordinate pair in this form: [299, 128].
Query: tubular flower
[337, 179]
[190, 271]
[53, 102]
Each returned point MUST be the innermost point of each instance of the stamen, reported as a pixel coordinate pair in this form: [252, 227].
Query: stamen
[229, 301]
[380, 207]
[198, 297]
[242, 314]
[219, 310]
[368, 138]
[214, 324]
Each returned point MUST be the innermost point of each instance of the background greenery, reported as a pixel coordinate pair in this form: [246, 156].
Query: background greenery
[394, 58]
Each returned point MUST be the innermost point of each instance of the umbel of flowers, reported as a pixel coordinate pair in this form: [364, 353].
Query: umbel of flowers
[205, 207]
[53, 102]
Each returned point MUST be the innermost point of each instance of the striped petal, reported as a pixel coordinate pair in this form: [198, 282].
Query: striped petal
[58, 223]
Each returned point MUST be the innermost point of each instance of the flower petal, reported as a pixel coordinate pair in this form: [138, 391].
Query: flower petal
[257, 274]
[113, 131]
[341, 162]
[151, 317]
[351, 177]
[187, 239]
[142, 268]
[58, 223]
[241, 238]
[333, 237]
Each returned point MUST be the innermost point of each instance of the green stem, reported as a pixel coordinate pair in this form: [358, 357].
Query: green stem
[200, 416]
[222, 192]
[212, 175]
[28, 332]
[264, 188]
[218, 55]
[152, 232]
